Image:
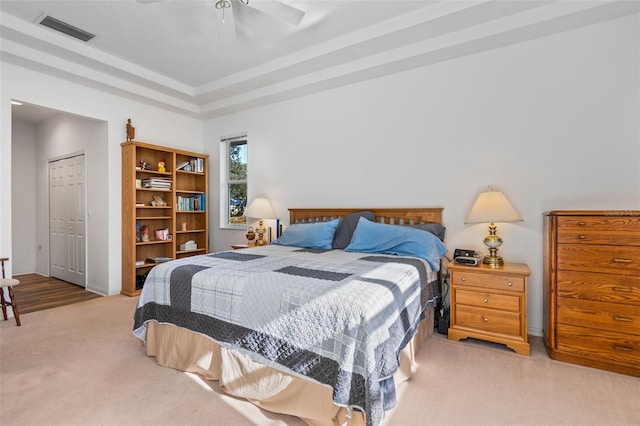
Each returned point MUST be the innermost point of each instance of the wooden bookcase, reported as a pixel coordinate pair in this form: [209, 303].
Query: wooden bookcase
[185, 214]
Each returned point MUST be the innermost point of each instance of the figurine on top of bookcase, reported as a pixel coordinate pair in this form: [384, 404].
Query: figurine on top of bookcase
[131, 131]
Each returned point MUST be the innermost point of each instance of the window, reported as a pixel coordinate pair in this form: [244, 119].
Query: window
[233, 191]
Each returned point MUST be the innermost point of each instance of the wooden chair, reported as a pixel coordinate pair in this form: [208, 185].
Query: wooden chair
[8, 283]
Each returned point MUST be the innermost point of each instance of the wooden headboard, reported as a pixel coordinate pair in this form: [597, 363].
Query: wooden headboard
[393, 216]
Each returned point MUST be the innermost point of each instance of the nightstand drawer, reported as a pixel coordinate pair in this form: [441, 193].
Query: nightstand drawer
[488, 320]
[497, 282]
[488, 300]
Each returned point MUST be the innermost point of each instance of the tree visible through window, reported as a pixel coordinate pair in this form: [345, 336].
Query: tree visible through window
[236, 180]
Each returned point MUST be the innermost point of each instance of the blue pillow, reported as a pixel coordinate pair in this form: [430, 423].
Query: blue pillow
[317, 235]
[372, 237]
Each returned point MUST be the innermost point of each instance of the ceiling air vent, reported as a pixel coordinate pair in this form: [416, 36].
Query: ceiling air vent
[63, 27]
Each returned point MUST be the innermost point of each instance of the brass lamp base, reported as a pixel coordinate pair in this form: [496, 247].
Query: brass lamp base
[492, 241]
[261, 230]
[493, 261]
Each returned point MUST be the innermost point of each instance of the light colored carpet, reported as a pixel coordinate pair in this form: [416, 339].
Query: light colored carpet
[80, 365]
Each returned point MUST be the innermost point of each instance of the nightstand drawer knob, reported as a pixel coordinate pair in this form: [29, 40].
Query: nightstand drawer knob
[485, 300]
[485, 319]
[510, 284]
[463, 279]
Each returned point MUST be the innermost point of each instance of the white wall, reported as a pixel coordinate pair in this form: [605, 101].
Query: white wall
[152, 125]
[553, 123]
[23, 158]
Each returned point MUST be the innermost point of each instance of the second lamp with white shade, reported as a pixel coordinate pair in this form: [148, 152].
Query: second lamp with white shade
[491, 207]
[261, 209]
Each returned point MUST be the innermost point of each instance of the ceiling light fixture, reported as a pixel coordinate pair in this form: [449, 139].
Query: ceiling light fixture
[226, 4]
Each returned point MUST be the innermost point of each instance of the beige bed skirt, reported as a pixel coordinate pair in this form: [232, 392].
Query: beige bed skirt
[264, 386]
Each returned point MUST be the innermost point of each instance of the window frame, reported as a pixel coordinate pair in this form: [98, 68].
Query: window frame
[225, 181]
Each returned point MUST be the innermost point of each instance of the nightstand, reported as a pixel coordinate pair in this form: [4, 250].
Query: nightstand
[490, 304]
[242, 245]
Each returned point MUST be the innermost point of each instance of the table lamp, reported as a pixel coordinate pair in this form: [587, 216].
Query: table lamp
[492, 206]
[261, 209]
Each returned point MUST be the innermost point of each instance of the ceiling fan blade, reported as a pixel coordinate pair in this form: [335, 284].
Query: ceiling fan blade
[226, 24]
[278, 10]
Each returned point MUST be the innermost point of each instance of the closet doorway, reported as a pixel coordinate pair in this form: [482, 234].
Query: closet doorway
[40, 135]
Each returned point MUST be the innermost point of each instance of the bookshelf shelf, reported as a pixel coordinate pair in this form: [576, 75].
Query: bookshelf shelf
[191, 231]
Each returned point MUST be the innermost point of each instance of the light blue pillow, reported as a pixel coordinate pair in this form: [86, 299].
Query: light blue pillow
[317, 235]
[372, 237]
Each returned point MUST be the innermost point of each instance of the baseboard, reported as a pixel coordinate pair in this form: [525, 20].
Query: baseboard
[535, 332]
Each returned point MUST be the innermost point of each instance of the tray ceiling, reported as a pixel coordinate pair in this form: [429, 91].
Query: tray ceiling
[169, 53]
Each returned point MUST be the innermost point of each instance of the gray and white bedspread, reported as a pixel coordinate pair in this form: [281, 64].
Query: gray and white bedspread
[334, 317]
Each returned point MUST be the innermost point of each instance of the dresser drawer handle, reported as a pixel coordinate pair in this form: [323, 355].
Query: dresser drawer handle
[616, 260]
[622, 348]
[510, 284]
[623, 289]
[485, 319]
[582, 223]
[485, 300]
[582, 237]
[623, 319]
[463, 279]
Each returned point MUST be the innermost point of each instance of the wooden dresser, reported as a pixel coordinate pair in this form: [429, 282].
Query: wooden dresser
[592, 288]
[490, 304]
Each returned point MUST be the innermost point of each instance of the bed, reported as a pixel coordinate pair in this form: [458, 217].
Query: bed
[323, 334]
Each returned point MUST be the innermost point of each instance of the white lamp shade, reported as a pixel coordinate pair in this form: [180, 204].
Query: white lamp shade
[260, 208]
[491, 207]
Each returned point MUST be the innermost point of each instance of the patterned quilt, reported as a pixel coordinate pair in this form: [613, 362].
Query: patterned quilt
[334, 317]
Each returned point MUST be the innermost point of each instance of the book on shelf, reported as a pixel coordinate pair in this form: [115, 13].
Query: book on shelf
[191, 203]
[197, 164]
[158, 259]
[157, 183]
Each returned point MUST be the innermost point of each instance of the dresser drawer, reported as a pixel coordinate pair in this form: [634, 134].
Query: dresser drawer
[606, 230]
[488, 320]
[599, 315]
[602, 287]
[488, 300]
[498, 282]
[604, 346]
[596, 258]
